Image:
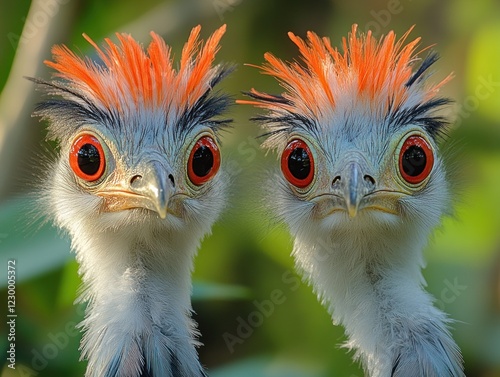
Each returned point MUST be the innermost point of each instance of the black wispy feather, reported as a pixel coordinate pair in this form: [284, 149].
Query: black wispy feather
[77, 109]
[289, 120]
[428, 61]
[206, 109]
[65, 112]
[423, 115]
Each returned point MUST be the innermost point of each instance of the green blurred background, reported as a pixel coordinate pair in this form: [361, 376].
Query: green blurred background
[255, 317]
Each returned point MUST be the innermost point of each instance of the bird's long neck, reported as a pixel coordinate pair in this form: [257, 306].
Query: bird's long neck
[372, 285]
[138, 319]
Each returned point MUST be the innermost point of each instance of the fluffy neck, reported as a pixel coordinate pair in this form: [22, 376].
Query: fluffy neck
[138, 286]
[370, 281]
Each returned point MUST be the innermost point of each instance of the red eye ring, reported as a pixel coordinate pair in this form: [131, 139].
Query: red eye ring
[297, 163]
[204, 161]
[416, 159]
[87, 158]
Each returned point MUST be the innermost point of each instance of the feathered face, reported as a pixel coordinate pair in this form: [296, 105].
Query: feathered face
[138, 139]
[356, 135]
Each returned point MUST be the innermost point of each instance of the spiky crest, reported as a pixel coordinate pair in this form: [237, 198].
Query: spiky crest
[378, 72]
[129, 73]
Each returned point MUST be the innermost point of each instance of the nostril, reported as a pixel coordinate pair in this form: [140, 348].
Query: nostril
[369, 179]
[135, 178]
[171, 177]
[336, 180]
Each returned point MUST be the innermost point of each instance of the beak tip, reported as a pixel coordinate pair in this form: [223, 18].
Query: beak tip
[162, 212]
[352, 211]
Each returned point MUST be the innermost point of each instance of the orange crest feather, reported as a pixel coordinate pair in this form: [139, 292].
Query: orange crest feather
[368, 67]
[145, 77]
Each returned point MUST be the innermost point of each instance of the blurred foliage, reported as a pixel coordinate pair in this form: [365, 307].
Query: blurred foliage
[255, 316]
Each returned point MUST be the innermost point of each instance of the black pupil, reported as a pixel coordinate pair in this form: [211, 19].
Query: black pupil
[89, 159]
[203, 161]
[414, 161]
[299, 163]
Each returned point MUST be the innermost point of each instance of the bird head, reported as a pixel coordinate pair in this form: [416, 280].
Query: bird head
[356, 132]
[138, 138]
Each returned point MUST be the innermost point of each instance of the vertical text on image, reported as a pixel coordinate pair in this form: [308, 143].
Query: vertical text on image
[11, 313]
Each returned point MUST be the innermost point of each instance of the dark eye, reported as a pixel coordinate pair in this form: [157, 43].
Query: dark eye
[416, 159]
[87, 158]
[297, 163]
[204, 161]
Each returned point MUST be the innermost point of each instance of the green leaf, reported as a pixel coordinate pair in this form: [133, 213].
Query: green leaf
[36, 248]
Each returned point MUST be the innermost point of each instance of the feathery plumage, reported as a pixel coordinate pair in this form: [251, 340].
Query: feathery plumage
[136, 186]
[361, 186]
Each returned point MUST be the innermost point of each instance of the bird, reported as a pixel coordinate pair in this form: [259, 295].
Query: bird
[361, 183]
[137, 182]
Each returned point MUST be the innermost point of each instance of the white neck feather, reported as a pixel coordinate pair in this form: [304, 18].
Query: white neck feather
[138, 286]
[370, 281]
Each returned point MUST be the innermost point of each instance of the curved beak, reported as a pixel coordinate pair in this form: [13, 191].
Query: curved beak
[151, 188]
[154, 186]
[355, 184]
[355, 189]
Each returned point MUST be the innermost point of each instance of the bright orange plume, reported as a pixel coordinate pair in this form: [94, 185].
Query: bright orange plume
[145, 77]
[369, 69]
